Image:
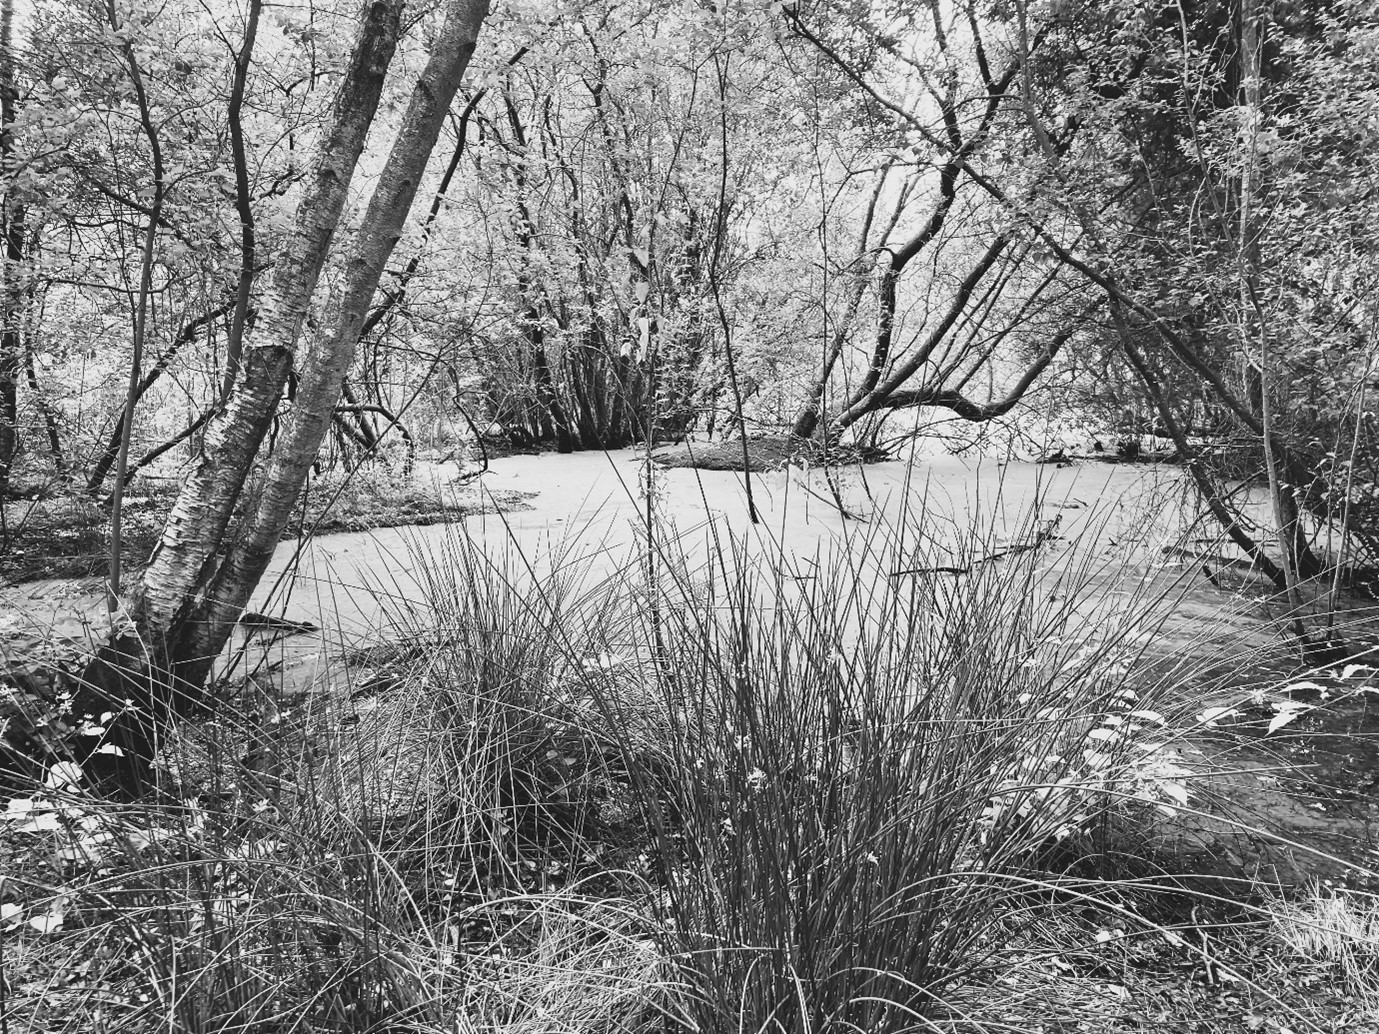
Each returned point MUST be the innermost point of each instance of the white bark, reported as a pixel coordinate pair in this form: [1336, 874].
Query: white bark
[185, 556]
[329, 355]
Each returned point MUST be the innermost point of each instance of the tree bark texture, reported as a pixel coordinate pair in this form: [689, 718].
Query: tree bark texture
[185, 559]
[330, 353]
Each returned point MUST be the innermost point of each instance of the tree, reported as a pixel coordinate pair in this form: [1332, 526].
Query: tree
[191, 593]
[80, 168]
[1206, 217]
[12, 242]
[1200, 208]
[602, 160]
[984, 300]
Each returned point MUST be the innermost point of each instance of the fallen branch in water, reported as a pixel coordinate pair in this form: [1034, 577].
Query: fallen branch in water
[1045, 533]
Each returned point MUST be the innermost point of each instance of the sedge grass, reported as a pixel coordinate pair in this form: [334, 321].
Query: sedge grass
[740, 791]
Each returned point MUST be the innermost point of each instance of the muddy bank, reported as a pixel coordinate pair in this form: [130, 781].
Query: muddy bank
[67, 535]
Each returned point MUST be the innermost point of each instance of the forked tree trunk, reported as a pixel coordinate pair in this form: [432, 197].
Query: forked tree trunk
[184, 560]
[876, 392]
[211, 618]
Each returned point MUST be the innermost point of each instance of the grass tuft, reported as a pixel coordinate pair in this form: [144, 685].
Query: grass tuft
[911, 784]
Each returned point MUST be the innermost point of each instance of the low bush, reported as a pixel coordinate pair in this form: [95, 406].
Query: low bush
[864, 772]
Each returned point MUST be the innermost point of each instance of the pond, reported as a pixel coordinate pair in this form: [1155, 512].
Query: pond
[589, 511]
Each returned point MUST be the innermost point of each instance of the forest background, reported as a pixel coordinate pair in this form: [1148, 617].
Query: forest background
[251, 247]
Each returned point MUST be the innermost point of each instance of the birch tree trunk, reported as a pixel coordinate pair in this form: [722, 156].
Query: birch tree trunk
[185, 559]
[329, 354]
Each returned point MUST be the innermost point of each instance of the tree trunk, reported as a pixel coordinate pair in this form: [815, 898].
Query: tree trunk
[247, 241]
[185, 559]
[45, 407]
[1252, 320]
[875, 397]
[363, 427]
[150, 129]
[329, 355]
[1228, 519]
[11, 341]
[368, 439]
[12, 288]
[807, 417]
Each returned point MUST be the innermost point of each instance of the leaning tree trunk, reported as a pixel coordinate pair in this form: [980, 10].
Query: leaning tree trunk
[184, 559]
[161, 670]
[330, 353]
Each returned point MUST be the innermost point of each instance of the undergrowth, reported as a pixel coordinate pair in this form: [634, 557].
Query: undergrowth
[901, 787]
